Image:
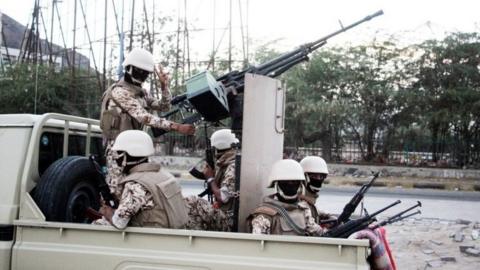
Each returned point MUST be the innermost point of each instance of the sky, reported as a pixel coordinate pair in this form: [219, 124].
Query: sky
[283, 24]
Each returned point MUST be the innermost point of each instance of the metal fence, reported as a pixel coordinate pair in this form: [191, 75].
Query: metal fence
[402, 153]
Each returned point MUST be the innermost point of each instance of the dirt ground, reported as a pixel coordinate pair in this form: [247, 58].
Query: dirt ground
[435, 244]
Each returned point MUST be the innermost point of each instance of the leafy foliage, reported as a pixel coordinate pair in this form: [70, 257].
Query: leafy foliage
[55, 91]
[424, 97]
[383, 96]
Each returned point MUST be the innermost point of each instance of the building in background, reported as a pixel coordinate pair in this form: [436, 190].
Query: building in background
[19, 44]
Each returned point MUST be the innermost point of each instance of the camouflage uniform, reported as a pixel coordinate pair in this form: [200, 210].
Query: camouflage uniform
[225, 180]
[114, 171]
[202, 216]
[131, 104]
[311, 198]
[134, 198]
[266, 220]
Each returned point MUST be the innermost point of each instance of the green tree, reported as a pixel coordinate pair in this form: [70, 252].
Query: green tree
[53, 91]
[315, 110]
[449, 81]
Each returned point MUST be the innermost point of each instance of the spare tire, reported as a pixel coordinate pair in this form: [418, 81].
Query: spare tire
[67, 188]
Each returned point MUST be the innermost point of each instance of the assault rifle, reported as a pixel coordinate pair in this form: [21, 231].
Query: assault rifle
[218, 98]
[102, 184]
[355, 201]
[346, 229]
[195, 171]
[104, 191]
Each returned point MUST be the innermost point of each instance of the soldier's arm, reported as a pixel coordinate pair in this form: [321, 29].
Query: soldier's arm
[162, 105]
[163, 79]
[227, 188]
[135, 109]
[134, 199]
[261, 224]
[324, 215]
[311, 227]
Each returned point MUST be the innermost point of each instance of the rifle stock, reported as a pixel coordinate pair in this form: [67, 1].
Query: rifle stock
[92, 214]
[102, 184]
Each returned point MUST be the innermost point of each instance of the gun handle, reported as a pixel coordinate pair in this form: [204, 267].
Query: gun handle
[157, 132]
[197, 174]
[92, 214]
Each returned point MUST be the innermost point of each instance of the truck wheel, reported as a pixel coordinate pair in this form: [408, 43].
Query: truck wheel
[66, 189]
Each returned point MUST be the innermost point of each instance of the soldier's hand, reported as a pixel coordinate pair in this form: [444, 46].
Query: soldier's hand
[106, 211]
[208, 172]
[186, 129]
[163, 77]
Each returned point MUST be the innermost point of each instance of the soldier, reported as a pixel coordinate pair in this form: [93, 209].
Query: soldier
[283, 212]
[316, 171]
[222, 180]
[150, 196]
[126, 105]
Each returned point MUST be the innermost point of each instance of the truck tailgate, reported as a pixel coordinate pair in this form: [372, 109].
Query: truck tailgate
[50, 245]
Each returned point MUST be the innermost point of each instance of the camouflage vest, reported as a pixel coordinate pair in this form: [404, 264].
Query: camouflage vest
[170, 210]
[227, 159]
[311, 199]
[278, 224]
[115, 120]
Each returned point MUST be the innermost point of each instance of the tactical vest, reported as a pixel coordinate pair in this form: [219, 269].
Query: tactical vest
[311, 199]
[278, 224]
[170, 210]
[115, 120]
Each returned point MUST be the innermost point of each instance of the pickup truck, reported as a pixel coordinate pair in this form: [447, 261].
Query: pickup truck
[53, 148]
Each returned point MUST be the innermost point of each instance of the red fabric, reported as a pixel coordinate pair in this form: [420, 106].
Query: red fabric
[383, 235]
[380, 257]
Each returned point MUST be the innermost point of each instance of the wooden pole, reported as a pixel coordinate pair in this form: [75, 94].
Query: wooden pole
[105, 48]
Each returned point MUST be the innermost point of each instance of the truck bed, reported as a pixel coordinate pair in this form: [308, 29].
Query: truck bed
[40, 244]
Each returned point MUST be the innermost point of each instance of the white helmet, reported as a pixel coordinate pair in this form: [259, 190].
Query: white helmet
[314, 164]
[141, 59]
[135, 142]
[285, 170]
[223, 139]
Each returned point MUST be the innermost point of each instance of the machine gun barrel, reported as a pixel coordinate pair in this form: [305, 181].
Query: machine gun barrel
[404, 217]
[344, 230]
[348, 27]
[287, 60]
[419, 204]
[399, 216]
[203, 88]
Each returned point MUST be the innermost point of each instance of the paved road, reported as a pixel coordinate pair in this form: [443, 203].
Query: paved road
[436, 204]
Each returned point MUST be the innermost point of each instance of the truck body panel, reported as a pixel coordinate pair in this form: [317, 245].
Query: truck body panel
[49, 245]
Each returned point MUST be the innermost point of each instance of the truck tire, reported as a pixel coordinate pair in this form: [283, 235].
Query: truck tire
[66, 189]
